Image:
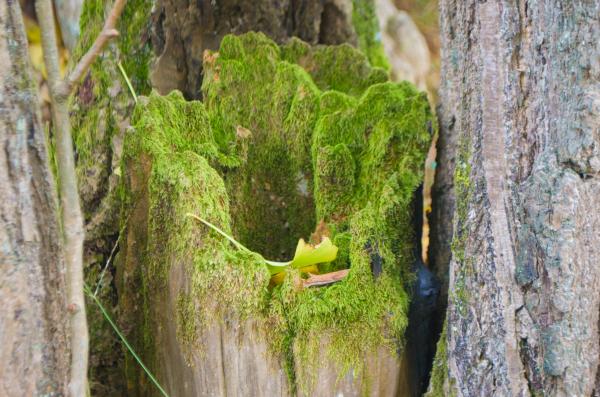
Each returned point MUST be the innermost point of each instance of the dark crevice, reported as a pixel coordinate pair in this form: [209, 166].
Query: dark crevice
[435, 308]
[583, 174]
[424, 326]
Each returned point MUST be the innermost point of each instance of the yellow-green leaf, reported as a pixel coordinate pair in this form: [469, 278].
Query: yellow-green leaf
[305, 257]
[307, 254]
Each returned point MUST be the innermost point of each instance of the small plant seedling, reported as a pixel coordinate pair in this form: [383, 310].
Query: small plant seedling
[306, 258]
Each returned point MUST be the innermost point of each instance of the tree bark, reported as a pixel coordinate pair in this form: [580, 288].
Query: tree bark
[183, 30]
[520, 117]
[34, 358]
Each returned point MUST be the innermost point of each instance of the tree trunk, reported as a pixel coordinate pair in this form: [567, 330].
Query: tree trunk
[520, 116]
[35, 352]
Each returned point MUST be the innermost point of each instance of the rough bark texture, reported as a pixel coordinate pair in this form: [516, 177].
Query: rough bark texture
[34, 356]
[521, 104]
[184, 29]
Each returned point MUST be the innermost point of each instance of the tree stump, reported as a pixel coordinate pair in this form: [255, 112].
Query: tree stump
[287, 138]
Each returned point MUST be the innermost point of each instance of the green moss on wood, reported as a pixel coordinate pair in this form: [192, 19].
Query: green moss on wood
[439, 370]
[267, 155]
[385, 133]
[175, 138]
[103, 102]
[342, 68]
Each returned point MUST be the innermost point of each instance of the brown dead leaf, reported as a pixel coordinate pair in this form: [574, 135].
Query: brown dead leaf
[242, 133]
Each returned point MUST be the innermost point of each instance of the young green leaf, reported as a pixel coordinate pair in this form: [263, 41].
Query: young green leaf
[305, 257]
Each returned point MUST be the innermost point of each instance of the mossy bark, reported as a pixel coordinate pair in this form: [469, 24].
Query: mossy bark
[254, 159]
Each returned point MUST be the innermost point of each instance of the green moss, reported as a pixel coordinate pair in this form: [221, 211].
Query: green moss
[342, 240]
[135, 51]
[439, 371]
[264, 157]
[367, 29]
[102, 101]
[342, 68]
[335, 171]
[385, 133]
[463, 190]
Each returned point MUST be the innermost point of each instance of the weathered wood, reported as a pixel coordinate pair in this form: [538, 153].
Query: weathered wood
[520, 115]
[35, 351]
[184, 29]
[228, 357]
[384, 376]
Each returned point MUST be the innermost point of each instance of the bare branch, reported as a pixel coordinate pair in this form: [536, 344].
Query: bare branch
[107, 33]
[72, 218]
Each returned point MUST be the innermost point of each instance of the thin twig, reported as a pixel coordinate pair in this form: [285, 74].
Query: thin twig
[324, 279]
[72, 218]
[107, 33]
[238, 245]
[107, 264]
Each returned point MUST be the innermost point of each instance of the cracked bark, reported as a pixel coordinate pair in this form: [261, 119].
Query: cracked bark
[34, 359]
[521, 93]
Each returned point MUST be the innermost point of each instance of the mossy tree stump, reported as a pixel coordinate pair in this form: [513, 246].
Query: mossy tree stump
[287, 138]
[160, 46]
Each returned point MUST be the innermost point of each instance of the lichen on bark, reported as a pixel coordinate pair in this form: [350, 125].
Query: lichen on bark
[261, 158]
[533, 183]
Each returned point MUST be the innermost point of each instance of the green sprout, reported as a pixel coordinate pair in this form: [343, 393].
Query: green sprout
[305, 258]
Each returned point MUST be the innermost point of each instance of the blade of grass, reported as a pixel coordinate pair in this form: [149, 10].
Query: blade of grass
[221, 232]
[89, 293]
[239, 245]
[127, 81]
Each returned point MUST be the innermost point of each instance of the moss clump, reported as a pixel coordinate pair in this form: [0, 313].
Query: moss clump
[378, 144]
[266, 155]
[341, 68]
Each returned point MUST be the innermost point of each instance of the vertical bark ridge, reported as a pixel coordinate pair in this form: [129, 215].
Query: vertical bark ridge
[521, 91]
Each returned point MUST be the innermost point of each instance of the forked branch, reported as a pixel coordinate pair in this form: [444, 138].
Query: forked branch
[107, 33]
[72, 218]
